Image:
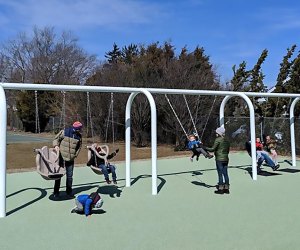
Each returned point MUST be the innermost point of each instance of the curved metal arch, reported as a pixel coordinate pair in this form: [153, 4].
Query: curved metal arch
[153, 137]
[252, 126]
[3, 123]
[292, 128]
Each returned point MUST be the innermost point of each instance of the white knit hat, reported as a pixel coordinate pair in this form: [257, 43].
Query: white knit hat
[220, 131]
[99, 203]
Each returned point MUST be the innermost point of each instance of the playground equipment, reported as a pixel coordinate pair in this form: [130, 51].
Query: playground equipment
[133, 93]
[191, 116]
[92, 150]
[37, 119]
[47, 163]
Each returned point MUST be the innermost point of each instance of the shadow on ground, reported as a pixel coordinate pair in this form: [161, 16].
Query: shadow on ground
[43, 194]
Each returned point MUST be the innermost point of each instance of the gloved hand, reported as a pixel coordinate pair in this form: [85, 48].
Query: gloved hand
[117, 150]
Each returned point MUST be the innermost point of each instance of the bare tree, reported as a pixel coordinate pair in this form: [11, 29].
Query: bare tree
[45, 57]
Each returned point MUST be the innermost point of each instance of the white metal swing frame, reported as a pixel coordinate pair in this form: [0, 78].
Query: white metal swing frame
[133, 93]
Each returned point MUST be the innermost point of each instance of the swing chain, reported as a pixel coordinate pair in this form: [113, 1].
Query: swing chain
[62, 120]
[37, 119]
[208, 117]
[89, 116]
[176, 116]
[110, 113]
[187, 105]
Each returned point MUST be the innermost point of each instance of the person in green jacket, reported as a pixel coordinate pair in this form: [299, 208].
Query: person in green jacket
[221, 150]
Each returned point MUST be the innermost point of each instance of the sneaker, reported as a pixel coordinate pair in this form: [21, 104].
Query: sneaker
[115, 182]
[276, 167]
[108, 181]
[74, 210]
[197, 158]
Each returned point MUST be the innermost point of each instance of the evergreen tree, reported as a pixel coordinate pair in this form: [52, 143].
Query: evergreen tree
[275, 106]
[256, 76]
[130, 53]
[240, 77]
[26, 109]
[293, 83]
[115, 55]
[285, 68]
[183, 54]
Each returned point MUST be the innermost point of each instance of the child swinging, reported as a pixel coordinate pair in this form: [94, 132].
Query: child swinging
[196, 146]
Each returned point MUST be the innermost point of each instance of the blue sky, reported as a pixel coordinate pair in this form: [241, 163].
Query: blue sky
[230, 31]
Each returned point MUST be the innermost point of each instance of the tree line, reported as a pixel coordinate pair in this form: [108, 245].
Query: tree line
[45, 57]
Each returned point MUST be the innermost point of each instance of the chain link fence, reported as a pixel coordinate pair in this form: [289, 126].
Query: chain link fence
[238, 130]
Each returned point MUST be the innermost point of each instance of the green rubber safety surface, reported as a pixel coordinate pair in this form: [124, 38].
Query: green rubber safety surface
[186, 214]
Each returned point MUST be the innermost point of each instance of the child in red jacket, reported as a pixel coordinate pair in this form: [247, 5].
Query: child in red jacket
[259, 145]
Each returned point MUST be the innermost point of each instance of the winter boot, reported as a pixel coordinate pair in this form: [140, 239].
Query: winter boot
[220, 189]
[226, 189]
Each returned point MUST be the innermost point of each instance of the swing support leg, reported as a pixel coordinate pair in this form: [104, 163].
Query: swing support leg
[3, 123]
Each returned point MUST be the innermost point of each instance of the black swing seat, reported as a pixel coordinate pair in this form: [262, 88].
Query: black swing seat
[92, 152]
[47, 163]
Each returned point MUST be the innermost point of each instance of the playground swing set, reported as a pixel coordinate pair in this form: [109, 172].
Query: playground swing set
[191, 117]
[47, 159]
[93, 150]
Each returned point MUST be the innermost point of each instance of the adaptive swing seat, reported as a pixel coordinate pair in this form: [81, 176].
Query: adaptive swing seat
[47, 163]
[92, 152]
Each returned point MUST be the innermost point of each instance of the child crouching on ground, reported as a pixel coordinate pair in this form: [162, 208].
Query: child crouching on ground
[85, 203]
[196, 146]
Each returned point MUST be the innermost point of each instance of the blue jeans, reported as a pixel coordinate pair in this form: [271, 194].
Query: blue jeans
[108, 168]
[69, 165]
[264, 156]
[222, 167]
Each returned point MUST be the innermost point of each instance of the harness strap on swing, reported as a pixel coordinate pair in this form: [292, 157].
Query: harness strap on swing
[96, 154]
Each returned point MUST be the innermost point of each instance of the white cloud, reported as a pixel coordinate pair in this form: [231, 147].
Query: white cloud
[278, 19]
[79, 13]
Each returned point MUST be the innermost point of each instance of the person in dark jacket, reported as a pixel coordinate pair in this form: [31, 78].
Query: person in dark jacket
[221, 150]
[261, 156]
[85, 203]
[68, 142]
[104, 165]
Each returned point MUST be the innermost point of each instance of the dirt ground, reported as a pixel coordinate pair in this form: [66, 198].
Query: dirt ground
[21, 156]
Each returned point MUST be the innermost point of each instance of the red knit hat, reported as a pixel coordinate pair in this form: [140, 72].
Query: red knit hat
[77, 125]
